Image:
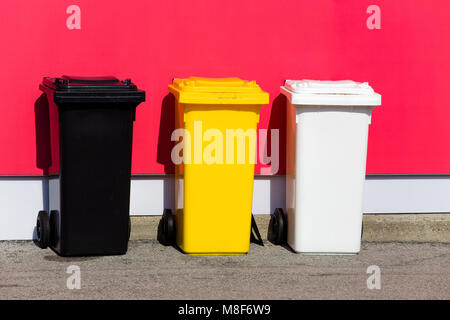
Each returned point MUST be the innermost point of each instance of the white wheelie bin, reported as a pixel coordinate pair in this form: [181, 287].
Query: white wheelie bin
[327, 130]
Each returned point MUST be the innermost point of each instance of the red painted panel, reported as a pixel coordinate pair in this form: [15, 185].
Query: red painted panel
[265, 40]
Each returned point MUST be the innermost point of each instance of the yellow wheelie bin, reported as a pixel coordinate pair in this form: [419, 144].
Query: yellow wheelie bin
[214, 156]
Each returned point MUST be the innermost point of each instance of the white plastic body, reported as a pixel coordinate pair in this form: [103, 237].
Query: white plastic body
[326, 164]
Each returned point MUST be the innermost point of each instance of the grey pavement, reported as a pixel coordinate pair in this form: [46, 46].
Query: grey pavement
[152, 271]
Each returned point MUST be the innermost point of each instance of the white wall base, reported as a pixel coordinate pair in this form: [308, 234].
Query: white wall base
[407, 194]
[20, 201]
[22, 197]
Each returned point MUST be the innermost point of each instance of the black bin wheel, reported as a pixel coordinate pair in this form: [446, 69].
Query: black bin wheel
[43, 230]
[277, 232]
[166, 228]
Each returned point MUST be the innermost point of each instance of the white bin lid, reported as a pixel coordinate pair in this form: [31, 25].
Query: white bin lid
[330, 93]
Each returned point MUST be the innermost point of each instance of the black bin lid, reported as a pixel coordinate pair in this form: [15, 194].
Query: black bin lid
[74, 89]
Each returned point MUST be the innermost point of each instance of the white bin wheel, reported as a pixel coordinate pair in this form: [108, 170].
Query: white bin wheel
[277, 227]
[43, 230]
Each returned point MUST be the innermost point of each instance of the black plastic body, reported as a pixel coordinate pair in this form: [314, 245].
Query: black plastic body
[90, 195]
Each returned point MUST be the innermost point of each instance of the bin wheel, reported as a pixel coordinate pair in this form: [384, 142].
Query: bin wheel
[43, 230]
[277, 232]
[166, 228]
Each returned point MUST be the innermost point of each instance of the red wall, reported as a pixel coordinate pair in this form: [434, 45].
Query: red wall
[407, 61]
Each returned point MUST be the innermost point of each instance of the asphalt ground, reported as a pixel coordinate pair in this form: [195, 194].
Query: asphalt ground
[152, 271]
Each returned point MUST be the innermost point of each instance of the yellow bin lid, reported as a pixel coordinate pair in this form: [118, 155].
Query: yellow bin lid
[196, 90]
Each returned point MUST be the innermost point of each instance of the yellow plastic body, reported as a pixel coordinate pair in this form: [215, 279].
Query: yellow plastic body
[213, 196]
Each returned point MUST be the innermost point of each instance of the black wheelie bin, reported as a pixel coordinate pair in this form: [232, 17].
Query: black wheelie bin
[91, 130]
